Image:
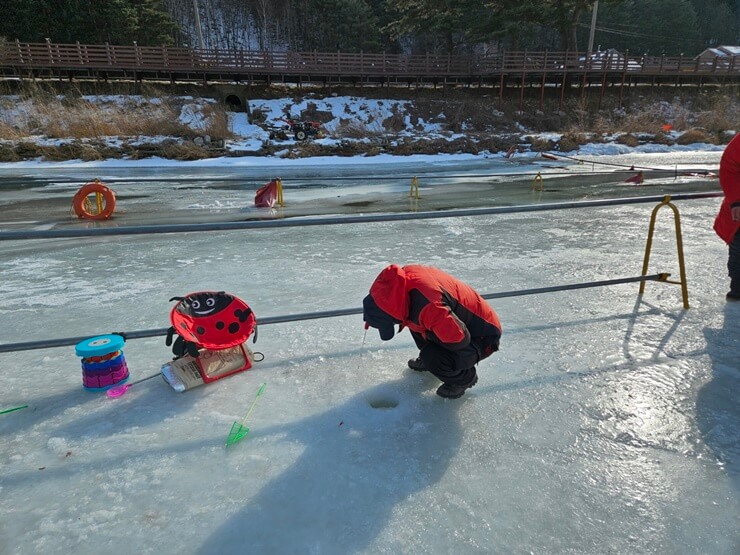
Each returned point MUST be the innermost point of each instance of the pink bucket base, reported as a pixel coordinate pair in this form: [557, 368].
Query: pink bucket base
[99, 381]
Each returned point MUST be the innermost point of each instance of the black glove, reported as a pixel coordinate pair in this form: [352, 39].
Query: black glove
[181, 347]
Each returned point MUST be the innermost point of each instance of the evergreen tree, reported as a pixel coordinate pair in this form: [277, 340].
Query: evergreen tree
[331, 25]
[347, 25]
[518, 24]
[154, 26]
[717, 22]
[87, 21]
[565, 15]
[445, 25]
[21, 20]
[113, 21]
[653, 27]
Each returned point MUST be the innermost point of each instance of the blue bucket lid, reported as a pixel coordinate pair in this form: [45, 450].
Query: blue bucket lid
[99, 346]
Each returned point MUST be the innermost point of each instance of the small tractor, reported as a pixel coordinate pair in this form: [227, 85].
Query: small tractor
[301, 130]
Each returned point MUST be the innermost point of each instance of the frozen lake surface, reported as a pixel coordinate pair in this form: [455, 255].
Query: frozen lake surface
[39, 195]
[607, 422]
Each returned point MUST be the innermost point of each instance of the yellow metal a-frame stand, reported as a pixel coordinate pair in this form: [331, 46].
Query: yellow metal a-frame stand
[414, 190]
[679, 245]
[280, 200]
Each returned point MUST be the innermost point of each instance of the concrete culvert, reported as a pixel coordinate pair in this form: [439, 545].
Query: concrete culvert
[233, 102]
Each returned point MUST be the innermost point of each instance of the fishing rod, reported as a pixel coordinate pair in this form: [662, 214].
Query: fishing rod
[631, 167]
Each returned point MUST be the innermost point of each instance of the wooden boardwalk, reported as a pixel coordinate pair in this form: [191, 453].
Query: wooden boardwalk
[566, 70]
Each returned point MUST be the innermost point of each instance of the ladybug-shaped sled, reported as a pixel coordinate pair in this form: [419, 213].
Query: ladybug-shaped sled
[212, 319]
[212, 328]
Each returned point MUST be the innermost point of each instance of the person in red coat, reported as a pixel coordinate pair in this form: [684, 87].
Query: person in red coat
[452, 325]
[727, 222]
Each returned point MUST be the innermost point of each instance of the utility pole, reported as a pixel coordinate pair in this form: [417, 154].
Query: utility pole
[197, 24]
[593, 27]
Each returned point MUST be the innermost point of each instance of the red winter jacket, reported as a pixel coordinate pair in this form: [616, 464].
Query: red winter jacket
[729, 180]
[434, 304]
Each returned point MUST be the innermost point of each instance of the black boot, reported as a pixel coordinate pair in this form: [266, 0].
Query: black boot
[417, 364]
[451, 391]
[734, 293]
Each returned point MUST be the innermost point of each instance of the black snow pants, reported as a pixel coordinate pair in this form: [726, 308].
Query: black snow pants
[455, 367]
[733, 265]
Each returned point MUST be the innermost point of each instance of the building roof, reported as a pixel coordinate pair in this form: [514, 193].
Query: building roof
[722, 51]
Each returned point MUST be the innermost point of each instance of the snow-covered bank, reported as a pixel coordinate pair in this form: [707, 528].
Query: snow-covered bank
[95, 128]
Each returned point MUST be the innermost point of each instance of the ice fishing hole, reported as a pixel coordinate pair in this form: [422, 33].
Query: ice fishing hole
[382, 403]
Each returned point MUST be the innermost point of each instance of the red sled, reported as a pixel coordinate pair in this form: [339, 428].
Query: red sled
[267, 195]
[637, 179]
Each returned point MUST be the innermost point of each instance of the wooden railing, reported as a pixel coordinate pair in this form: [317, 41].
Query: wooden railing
[17, 56]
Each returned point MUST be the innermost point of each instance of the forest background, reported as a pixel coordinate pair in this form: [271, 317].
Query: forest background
[653, 27]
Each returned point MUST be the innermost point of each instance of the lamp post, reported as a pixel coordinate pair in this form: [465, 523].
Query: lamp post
[197, 24]
[593, 27]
